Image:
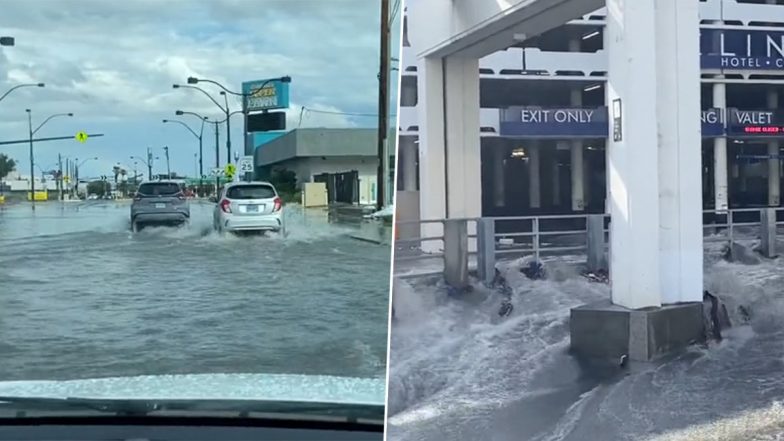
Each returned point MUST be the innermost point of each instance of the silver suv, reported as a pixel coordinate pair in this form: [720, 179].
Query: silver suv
[159, 203]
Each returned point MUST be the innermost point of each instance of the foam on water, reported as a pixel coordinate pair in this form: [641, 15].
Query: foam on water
[456, 366]
[445, 350]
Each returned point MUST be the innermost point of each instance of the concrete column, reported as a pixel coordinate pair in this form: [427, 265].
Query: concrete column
[456, 253]
[578, 176]
[774, 169]
[463, 159]
[655, 169]
[408, 148]
[432, 143]
[534, 180]
[556, 176]
[408, 95]
[499, 192]
[680, 154]
[720, 153]
[577, 168]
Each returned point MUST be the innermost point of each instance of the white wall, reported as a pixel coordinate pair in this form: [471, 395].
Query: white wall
[306, 168]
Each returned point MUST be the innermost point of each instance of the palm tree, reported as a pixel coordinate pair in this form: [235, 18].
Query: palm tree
[6, 165]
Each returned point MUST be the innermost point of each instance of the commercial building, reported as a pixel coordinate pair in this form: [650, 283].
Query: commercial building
[310, 153]
[650, 111]
[544, 113]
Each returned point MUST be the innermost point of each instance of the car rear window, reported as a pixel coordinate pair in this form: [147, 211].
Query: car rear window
[251, 192]
[159, 189]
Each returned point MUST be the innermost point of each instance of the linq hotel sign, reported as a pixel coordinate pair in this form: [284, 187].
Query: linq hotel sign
[740, 49]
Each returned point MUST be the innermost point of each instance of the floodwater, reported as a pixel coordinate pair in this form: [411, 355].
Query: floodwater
[82, 297]
[458, 371]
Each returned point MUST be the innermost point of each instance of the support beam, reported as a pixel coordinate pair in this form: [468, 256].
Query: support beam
[578, 167]
[720, 184]
[408, 150]
[534, 179]
[654, 169]
[463, 159]
[774, 163]
[432, 147]
[499, 179]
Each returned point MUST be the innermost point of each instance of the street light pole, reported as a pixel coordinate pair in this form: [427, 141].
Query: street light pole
[222, 108]
[194, 80]
[200, 138]
[32, 157]
[32, 172]
[217, 159]
[20, 86]
[228, 127]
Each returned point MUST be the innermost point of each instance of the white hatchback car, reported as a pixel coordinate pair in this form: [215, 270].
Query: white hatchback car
[249, 206]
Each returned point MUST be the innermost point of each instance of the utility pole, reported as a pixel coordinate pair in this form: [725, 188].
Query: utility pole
[60, 176]
[383, 103]
[67, 172]
[32, 171]
[168, 169]
[149, 163]
[217, 160]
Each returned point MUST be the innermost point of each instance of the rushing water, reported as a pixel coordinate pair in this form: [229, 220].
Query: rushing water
[83, 297]
[459, 371]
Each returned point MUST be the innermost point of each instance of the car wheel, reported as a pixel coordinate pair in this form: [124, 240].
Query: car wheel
[136, 227]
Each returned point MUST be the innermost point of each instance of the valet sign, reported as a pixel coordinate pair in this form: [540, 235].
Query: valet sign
[739, 49]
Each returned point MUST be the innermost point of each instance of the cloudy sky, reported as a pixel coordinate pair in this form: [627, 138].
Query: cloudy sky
[113, 63]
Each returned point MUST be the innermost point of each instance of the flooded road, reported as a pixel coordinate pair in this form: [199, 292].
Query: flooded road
[83, 297]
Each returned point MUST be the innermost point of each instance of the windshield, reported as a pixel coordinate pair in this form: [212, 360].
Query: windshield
[119, 261]
[159, 189]
[251, 192]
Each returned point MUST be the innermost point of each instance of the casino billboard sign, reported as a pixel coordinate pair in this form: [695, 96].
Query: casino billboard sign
[741, 49]
[266, 94]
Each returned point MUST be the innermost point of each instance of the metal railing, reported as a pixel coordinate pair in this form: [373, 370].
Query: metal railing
[449, 239]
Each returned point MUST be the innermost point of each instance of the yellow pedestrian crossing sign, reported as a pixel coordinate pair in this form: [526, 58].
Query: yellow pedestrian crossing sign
[66, 179]
[230, 170]
[81, 137]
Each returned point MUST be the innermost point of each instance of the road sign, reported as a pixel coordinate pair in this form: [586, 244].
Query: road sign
[246, 164]
[82, 137]
[230, 170]
[66, 179]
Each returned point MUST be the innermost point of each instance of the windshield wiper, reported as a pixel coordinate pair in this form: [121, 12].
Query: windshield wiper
[21, 407]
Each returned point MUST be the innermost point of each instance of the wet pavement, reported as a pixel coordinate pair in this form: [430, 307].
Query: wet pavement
[83, 297]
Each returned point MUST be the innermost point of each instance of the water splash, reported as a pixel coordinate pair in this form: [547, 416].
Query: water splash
[453, 356]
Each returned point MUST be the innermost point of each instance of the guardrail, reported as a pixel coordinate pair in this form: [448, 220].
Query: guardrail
[449, 239]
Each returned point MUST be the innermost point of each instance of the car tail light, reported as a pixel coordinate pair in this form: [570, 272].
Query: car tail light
[278, 204]
[180, 196]
[225, 206]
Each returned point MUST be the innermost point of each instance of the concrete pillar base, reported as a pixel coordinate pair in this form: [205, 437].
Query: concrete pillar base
[607, 331]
